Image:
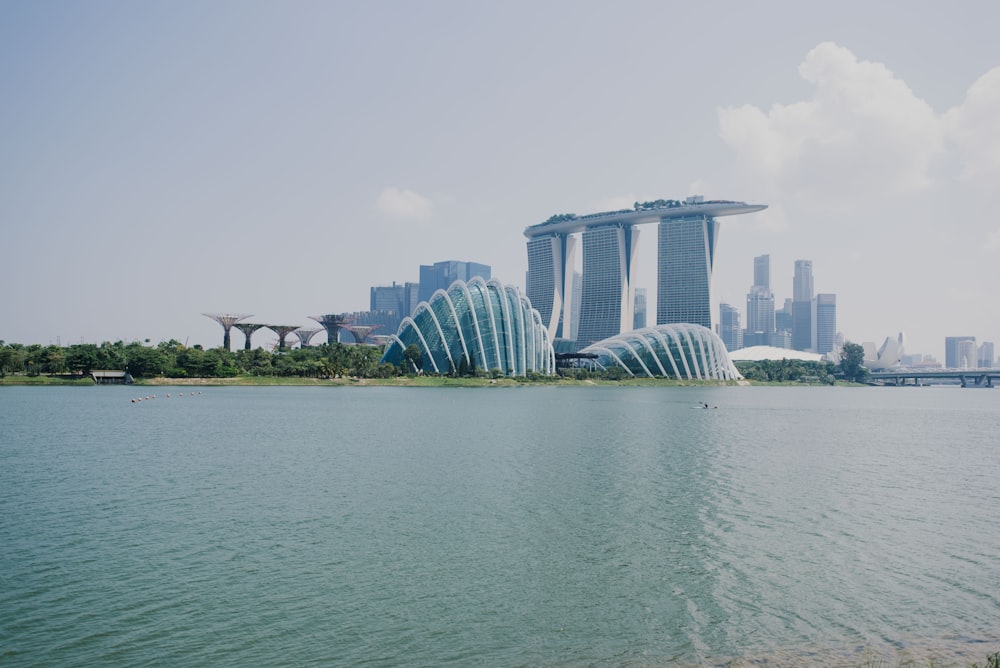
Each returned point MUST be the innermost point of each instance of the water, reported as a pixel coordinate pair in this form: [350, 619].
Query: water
[498, 526]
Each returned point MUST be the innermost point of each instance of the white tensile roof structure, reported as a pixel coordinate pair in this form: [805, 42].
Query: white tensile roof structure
[760, 353]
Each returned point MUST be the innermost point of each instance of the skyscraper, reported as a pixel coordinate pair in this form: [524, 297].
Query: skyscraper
[440, 275]
[802, 306]
[608, 296]
[826, 322]
[729, 327]
[686, 236]
[685, 254]
[399, 299]
[762, 271]
[550, 282]
[955, 357]
[760, 305]
[986, 355]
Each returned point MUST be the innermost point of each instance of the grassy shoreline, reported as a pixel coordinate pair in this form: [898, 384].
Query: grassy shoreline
[401, 381]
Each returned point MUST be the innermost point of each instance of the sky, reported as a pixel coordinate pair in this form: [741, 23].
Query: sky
[161, 160]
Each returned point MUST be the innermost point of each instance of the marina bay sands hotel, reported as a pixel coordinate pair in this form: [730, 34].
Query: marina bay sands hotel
[687, 235]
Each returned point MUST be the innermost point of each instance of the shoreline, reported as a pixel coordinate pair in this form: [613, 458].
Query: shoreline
[402, 381]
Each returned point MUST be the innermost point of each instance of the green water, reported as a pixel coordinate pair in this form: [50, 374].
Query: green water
[560, 526]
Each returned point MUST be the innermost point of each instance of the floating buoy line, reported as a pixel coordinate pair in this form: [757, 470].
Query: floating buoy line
[150, 397]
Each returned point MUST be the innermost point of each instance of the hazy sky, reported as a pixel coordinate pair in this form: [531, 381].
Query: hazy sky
[161, 160]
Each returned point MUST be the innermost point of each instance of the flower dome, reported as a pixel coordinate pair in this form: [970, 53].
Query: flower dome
[486, 323]
[681, 350]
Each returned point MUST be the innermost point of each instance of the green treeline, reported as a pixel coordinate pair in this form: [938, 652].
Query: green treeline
[173, 359]
[785, 371]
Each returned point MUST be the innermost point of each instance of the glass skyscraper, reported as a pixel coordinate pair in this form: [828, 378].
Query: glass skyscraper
[440, 275]
[686, 237]
[826, 322]
[760, 304]
[607, 302]
[550, 284]
[802, 306]
[685, 255]
[729, 327]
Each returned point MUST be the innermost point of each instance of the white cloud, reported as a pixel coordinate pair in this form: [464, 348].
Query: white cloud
[974, 127]
[862, 132]
[401, 203]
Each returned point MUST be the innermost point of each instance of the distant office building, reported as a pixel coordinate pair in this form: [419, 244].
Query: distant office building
[639, 318]
[760, 305]
[608, 296]
[762, 271]
[399, 299]
[440, 275]
[760, 310]
[954, 358]
[687, 235]
[826, 323]
[779, 339]
[802, 306]
[729, 327]
[783, 318]
[986, 355]
[967, 355]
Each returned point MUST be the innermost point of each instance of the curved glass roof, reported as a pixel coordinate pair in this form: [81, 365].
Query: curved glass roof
[680, 350]
[490, 325]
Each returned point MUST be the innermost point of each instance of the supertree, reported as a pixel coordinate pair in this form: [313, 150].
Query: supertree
[248, 328]
[305, 334]
[227, 320]
[332, 323]
[282, 331]
[361, 332]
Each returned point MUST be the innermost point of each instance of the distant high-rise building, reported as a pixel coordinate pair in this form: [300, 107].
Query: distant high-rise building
[780, 339]
[802, 306]
[608, 295]
[967, 358]
[783, 318]
[986, 355]
[399, 299]
[729, 327]
[760, 311]
[440, 276]
[826, 323]
[762, 271]
[639, 318]
[550, 282]
[954, 356]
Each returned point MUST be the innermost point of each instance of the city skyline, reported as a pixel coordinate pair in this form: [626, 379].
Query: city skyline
[145, 184]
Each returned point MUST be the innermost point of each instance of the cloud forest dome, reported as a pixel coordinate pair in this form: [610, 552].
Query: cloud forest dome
[680, 350]
[489, 324]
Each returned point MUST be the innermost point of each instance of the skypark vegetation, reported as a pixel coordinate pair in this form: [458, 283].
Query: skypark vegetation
[657, 204]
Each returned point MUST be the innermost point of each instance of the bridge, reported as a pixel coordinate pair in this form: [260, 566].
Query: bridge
[966, 377]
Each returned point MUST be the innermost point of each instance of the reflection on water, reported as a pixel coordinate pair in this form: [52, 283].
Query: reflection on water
[515, 526]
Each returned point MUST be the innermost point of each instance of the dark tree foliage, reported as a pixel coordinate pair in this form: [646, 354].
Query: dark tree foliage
[175, 360]
[852, 358]
[783, 371]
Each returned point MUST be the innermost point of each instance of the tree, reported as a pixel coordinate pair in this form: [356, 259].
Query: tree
[852, 357]
[413, 357]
